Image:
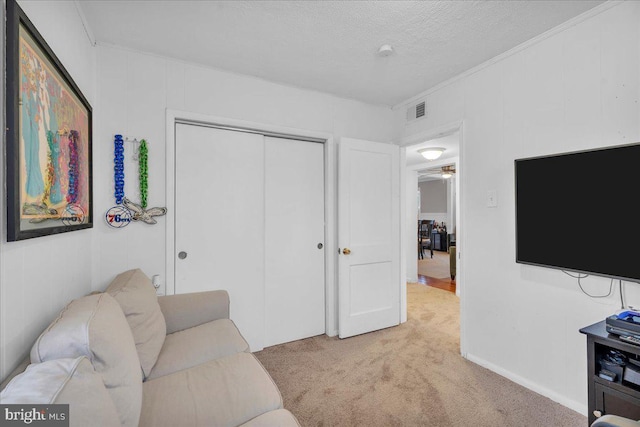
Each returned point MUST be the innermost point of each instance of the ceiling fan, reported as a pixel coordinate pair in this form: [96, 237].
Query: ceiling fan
[445, 172]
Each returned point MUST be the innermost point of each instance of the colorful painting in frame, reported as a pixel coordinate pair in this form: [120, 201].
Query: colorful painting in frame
[49, 125]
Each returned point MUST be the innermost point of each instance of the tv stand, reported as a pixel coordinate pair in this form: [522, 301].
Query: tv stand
[616, 397]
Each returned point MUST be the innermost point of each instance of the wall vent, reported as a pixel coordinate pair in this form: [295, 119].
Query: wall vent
[417, 111]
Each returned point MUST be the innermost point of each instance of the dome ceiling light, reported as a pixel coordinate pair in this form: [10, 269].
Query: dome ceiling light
[431, 153]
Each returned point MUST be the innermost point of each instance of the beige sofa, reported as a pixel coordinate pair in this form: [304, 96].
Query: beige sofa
[125, 357]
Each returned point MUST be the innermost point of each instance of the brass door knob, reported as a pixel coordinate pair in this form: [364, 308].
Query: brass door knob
[346, 251]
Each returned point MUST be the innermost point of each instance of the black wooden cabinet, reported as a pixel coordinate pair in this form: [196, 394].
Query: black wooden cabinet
[439, 240]
[618, 397]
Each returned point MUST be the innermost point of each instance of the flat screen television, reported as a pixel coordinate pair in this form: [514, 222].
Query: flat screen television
[578, 211]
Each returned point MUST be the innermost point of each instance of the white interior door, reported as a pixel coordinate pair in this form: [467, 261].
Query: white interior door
[368, 236]
[294, 240]
[219, 204]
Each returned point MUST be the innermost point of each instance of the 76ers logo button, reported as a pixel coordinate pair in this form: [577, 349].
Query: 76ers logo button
[73, 215]
[118, 216]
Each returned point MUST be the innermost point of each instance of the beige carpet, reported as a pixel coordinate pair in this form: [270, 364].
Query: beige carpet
[408, 375]
[436, 267]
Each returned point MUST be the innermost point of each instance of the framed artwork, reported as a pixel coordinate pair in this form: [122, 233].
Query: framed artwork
[49, 126]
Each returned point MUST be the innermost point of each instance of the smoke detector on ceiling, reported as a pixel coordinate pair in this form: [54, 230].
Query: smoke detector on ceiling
[385, 50]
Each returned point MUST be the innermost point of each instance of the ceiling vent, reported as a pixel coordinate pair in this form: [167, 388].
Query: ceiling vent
[417, 111]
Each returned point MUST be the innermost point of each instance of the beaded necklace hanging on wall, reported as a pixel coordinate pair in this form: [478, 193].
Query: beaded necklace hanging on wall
[125, 210]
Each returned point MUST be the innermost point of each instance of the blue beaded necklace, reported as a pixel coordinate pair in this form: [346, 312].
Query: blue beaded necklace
[119, 215]
[118, 168]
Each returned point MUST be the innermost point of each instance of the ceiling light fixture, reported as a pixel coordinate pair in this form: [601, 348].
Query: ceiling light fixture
[448, 171]
[431, 153]
[385, 50]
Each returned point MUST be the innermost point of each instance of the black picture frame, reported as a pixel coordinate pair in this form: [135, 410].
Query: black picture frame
[48, 138]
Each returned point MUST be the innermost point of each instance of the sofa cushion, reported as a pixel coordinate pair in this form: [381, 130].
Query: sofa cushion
[137, 298]
[277, 418]
[222, 392]
[94, 326]
[65, 381]
[193, 346]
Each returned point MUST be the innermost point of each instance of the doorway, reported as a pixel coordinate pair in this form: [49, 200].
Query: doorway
[411, 144]
[436, 265]
[434, 184]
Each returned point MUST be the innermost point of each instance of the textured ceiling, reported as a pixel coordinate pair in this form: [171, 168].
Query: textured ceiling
[331, 46]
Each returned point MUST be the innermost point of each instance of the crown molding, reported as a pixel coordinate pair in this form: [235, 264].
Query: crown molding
[85, 23]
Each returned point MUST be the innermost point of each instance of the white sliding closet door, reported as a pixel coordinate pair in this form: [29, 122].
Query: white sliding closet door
[220, 220]
[294, 240]
[249, 218]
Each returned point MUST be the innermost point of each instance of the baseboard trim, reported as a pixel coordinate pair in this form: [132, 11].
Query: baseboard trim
[563, 400]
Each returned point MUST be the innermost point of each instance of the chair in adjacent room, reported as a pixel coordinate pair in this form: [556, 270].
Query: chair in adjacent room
[424, 237]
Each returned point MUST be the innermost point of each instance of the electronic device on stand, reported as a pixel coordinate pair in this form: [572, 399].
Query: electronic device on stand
[625, 324]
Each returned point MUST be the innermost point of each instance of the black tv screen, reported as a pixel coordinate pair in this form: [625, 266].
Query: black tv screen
[578, 211]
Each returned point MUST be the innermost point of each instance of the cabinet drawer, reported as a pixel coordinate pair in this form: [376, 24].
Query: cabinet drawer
[610, 401]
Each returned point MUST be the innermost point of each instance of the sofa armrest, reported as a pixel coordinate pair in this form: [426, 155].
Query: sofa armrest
[183, 311]
[17, 371]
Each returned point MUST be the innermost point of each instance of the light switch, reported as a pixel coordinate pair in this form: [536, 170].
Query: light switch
[492, 198]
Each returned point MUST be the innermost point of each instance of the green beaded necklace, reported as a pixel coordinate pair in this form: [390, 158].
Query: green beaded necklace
[143, 173]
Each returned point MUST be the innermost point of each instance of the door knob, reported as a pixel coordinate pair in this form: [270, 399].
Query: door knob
[346, 251]
[182, 255]
[319, 245]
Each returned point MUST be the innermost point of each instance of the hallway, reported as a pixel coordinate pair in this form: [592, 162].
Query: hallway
[435, 272]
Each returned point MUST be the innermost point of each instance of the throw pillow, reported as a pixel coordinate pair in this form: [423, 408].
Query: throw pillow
[137, 298]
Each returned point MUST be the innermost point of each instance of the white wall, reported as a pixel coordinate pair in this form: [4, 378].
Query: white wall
[39, 276]
[438, 201]
[135, 89]
[433, 196]
[576, 89]
[452, 203]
